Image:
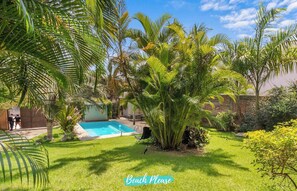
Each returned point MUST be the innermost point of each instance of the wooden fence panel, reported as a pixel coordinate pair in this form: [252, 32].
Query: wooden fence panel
[3, 120]
[32, 118]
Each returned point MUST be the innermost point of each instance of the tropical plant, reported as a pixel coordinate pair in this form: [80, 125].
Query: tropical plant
[68, 117]
[119, 56]
[29, 158]
[46, 46]
[231, 57]
[266, 54]
[153, 33]
[183, 77]
[276, 153]
[226, 121]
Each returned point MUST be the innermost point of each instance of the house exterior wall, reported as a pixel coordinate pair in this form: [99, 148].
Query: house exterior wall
[129, 111]
[93, 113]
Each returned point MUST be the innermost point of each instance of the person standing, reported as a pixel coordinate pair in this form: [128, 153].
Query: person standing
[17, 121]
[11, 122]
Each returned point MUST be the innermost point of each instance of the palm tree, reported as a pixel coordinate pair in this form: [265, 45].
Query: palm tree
[230, 57]
[118, 62]
[266, 54]
[184, 75]
[48, 49]
[153, 33]
[45, 49]
[28, 157]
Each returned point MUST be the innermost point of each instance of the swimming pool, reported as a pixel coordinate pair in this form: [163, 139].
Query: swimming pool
[95, 129]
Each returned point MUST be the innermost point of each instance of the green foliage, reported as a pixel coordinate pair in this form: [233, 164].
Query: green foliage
[280, 106]
[276, 153]
[178, 80]
[198, 137]
[68, 117]
[249, 122]
[29, 158]
[266, 54]
[226, 121]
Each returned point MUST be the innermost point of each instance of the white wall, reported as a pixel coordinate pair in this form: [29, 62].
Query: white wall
[129, 111]
[15, 111]
[93, 113]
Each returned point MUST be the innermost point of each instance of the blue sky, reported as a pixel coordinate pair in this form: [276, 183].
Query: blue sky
[234, 18]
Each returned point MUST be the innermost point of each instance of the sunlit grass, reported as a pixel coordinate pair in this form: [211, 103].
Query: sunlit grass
[103, 165]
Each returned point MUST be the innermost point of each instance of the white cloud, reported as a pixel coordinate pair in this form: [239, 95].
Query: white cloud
[177, 4]
[244, 36]
[271, 30]
[271, 5]
[236, 1]
[217, 5]
[286, 23]
[291, 7]
[243, 18]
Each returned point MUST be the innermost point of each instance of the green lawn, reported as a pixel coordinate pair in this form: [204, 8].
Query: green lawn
[103, 165]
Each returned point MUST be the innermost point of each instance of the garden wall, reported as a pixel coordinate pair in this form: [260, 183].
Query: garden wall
[32, 118]
[246, 103]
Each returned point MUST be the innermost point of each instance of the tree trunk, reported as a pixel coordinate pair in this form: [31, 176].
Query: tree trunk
[238, 108]
[258, 125]
[49, 130]
[257, 99]
[133, 116]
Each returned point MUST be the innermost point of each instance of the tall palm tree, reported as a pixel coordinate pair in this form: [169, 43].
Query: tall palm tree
[45, 49]
[265, 55]
[118, 61]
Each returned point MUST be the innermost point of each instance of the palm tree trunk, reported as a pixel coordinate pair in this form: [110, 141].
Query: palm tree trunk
[257, 91]
[49, 130]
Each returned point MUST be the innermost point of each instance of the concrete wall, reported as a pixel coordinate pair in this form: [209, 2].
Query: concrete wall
[93, 113]
[246, 103]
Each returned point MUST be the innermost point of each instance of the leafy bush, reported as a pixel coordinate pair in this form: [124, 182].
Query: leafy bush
[226, 121]
[195, 137]
[276, 152]
[68, 117]
[280, 106]
[249, 122]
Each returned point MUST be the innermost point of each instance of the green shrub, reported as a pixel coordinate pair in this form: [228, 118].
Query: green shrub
[276, 153]
[195, 137]
[249, 122]
[68, 117]
[280, 106]
[226, 121]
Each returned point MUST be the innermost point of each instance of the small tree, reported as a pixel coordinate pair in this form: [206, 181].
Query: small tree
[264, 55]
[68, 117]
[276, 152]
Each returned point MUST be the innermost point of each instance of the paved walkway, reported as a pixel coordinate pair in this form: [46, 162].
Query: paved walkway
[30, 133]
[138, 127]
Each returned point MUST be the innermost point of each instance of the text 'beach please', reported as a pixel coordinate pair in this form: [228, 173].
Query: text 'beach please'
[144, 180]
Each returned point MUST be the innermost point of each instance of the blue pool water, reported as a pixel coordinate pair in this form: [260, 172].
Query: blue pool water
[105, 128]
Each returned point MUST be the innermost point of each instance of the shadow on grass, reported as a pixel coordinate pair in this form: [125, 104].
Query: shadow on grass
[100, 163]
